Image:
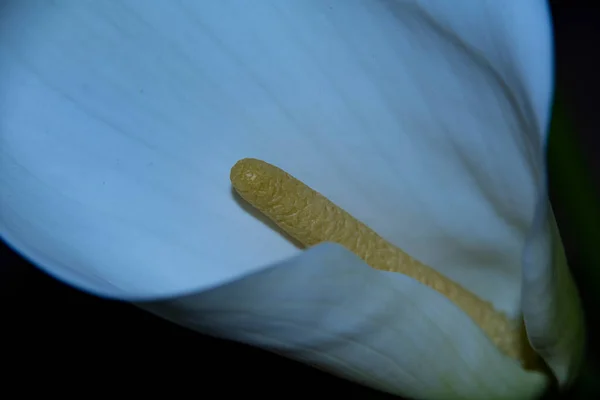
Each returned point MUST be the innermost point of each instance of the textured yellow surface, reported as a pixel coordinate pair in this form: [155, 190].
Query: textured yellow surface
[311, 219]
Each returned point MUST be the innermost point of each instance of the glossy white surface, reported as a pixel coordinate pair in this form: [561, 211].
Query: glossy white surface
[125, 117]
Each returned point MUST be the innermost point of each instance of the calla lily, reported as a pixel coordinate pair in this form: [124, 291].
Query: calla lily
[426, 120]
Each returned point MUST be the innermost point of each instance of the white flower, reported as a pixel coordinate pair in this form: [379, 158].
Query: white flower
[427, 120]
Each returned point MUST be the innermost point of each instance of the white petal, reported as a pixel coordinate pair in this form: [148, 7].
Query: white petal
[120, 120]
[550, 301]
[551, 305]
[385, 330]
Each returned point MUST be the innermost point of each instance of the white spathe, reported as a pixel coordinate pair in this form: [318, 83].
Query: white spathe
[426, 120]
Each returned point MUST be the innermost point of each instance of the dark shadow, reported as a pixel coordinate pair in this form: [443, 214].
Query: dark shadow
[263, 218]
[70, 335]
